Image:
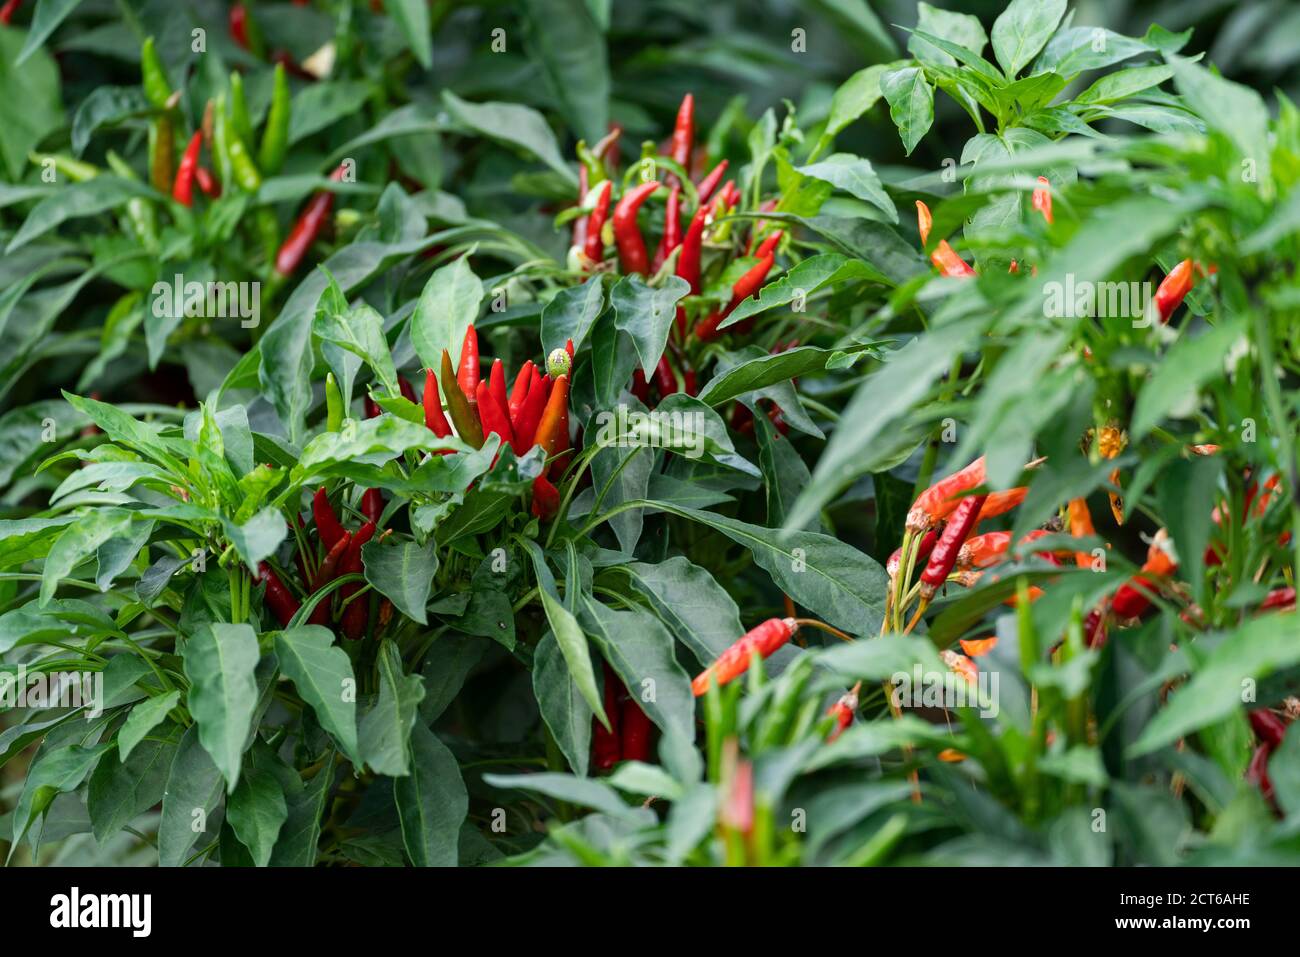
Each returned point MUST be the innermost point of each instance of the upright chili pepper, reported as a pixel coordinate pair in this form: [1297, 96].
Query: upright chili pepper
[140, 212]
[627, 235]
[467, 374]
[372, 504]
[162, 147]
[306, 229]
[245, 32]
[278, 598]
[153, 76]
[242, 166]
[434, 419]
[1173, 289]
[183, 190]
[357, 613]
[688, 261]
[530, 413]
[640, 387]
[497, 384]
[706, 186]
[1042, 198]
[606, 743]
[944, 257]
[275, 136]
[684, 134]
[1257, 772]
[327, 522]
[748, 284]
[962, 521]
[769, 244]
[494, 418]
[519, 391]
[462, 413]
[552, 431]
[937, 502]
[734, 662]
[672, 236]
[594, 244]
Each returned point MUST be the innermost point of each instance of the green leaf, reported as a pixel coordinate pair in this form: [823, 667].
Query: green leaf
[296, 846]
[569, 635]
[561, 704]
[571, 314]
[219, 662]
[1236, 111]
[78, 542]
[412, 18]
[1284, 771]
[448, 306]
[646, 314]
[431, 802]
[518, 126]
[30, 105]
[385, 738]
[762, 371]
[1022, 30]
[1124, 83]
[322, 674]
[49, 14]
[700, 612]
[256, 811]
[258, 538]
[911, 103]
[855, 96]
[403, 574]
[963, 29]
[569, 46]
[75, 201]
[583, 792]
[1254, 651]
[52, 773]
[855, 176]
[122, 788]
[193, 792]
[144, 717]
[317, 106]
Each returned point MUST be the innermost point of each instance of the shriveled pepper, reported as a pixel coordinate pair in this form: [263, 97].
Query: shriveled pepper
[462, 415]
[962, 521]
[627, 235]
[761, 640]
[275, 136]
[183, 190]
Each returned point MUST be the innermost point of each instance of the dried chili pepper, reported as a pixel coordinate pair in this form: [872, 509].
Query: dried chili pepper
[938, 501]
[761, 640]
[962, 521]
[627, 235]
[183, 190]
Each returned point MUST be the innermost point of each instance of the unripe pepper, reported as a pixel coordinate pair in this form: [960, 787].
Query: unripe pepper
[162, 145]
[153, 76]
[278, 598]
[627, 236]
[275, 136]
[762, 640]
[463, 415]
[183, 190]
[923, 550]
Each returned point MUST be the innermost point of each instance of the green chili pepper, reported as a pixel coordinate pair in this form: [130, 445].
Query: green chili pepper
[153, 76]
[73, 169]
[162, 154]
[462, 416]
[139, 211]
[275, 137]
[333, 404]
[268, 228]
[239, 120]
[245, 170]
[221, 137]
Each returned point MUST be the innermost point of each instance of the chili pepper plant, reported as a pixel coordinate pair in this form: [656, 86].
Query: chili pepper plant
[572, 457]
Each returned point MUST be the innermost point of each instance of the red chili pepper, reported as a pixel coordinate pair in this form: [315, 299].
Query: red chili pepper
[1268, 727]
[357, 612]
[984, 551]
[497, 384]
[1174, 288]
[606, 744]
[594, 246]
[494, 417]
[327, 521]
[546, 498]
[665, 381]
[1094, 628]
[636, 733]
[211, 188]
[944, 257]
[938, 501]
[1278, 598]
[239, 25]
[684, 133]
[734, 662]
[706, 186]
[627, 236]
[1133, 597]
[1042, 198]
[8, 10]
[999, 503]
[745, 286]
[519, 391]
[843, 711]
[183, 188]
[278, 598]
[672, 236]
[372, 504]
[769, 244]
[1257, 771]
[530, 413]
[690, 382]
[688, 261]
[408, 391]
[640, 387]
[963, 520]
[325, 573]
[552, 431]
[306, 229]
[434, 418]
[467, 374]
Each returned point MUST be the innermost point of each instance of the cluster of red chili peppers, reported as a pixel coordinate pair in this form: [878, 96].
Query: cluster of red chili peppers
[630, 731]
[534, 411]
[598, 230]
